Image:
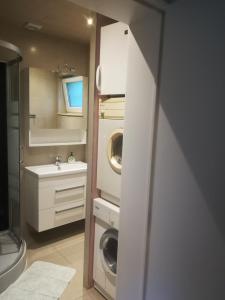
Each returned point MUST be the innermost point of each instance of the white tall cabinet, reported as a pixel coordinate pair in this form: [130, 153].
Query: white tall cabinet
[111, 73]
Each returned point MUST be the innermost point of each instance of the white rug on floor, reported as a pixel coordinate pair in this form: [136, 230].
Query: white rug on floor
[41, 281]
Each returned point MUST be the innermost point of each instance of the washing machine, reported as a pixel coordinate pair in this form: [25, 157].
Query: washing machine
[109, 166]
[105, 247]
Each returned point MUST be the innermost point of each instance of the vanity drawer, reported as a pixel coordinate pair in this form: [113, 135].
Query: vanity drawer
[74, 193]
[63, 181]
[68, 215]
[61, 190]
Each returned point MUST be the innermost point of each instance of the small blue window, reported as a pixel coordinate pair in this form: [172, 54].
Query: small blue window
[75, 94]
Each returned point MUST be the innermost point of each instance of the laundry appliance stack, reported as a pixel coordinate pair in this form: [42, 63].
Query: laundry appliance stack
[111, 83]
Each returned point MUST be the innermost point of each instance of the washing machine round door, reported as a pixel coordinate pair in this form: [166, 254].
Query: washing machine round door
[108, 250]
[115, 145]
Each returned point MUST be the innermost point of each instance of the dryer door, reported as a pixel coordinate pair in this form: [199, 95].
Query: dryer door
[108, 250]
[114, 151]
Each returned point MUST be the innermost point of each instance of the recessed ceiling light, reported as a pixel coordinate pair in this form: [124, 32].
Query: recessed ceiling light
[90, 21]
[33, 49]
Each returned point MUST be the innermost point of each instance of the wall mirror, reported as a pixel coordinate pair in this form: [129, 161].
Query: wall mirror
[57, 110]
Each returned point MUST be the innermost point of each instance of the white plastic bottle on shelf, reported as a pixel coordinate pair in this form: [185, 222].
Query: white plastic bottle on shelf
[71, 159]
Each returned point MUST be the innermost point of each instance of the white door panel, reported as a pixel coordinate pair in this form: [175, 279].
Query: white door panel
[142, 76]
[113, 59]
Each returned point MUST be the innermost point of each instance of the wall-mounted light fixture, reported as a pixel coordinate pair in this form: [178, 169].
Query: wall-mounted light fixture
[65, 71]
[90, 21]
[32, 26]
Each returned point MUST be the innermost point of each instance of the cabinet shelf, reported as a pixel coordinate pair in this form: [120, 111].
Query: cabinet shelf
[56, 144]
[70, 115]
[56, 137]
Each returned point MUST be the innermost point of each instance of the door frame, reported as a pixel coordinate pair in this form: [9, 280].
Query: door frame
[129, 12]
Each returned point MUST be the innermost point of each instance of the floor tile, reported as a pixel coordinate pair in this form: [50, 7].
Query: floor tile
[52, 257]
[74, 290]
[36, 253]
[92, 294]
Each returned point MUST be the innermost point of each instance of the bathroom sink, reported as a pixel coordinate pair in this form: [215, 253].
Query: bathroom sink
[53, 170]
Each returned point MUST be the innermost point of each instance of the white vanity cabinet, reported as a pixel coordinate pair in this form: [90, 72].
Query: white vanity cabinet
[54, 199]
[111, 73]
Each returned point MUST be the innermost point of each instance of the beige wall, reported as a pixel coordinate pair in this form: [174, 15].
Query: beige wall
[50, 52]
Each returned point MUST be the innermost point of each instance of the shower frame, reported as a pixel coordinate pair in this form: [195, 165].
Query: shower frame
[14, 253]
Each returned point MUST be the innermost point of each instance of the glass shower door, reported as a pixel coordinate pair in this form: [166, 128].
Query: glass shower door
[13, 136]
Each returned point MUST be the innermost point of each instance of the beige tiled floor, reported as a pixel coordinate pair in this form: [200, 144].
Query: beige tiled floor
[65, 247]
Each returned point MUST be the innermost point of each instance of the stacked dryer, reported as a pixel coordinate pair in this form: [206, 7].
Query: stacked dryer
[110, 144]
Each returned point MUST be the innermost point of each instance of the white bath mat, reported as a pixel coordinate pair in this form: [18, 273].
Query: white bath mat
[42, 281]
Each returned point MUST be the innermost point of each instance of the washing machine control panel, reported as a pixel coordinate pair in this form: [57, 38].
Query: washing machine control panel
[107, 212]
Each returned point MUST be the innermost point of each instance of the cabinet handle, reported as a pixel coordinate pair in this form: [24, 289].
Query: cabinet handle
[32, 116]
[98, 78]
[21, 154]
[67, 209]
[69, 188]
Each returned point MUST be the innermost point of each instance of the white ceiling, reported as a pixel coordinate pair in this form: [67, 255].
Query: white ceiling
[58, 17]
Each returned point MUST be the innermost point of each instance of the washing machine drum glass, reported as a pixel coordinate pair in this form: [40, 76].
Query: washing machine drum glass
[108, 247]
[115, 146]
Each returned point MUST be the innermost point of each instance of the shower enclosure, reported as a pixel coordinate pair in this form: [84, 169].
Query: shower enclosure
[12, 247]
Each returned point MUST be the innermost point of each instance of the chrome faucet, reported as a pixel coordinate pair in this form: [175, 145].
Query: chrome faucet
[58, 160]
